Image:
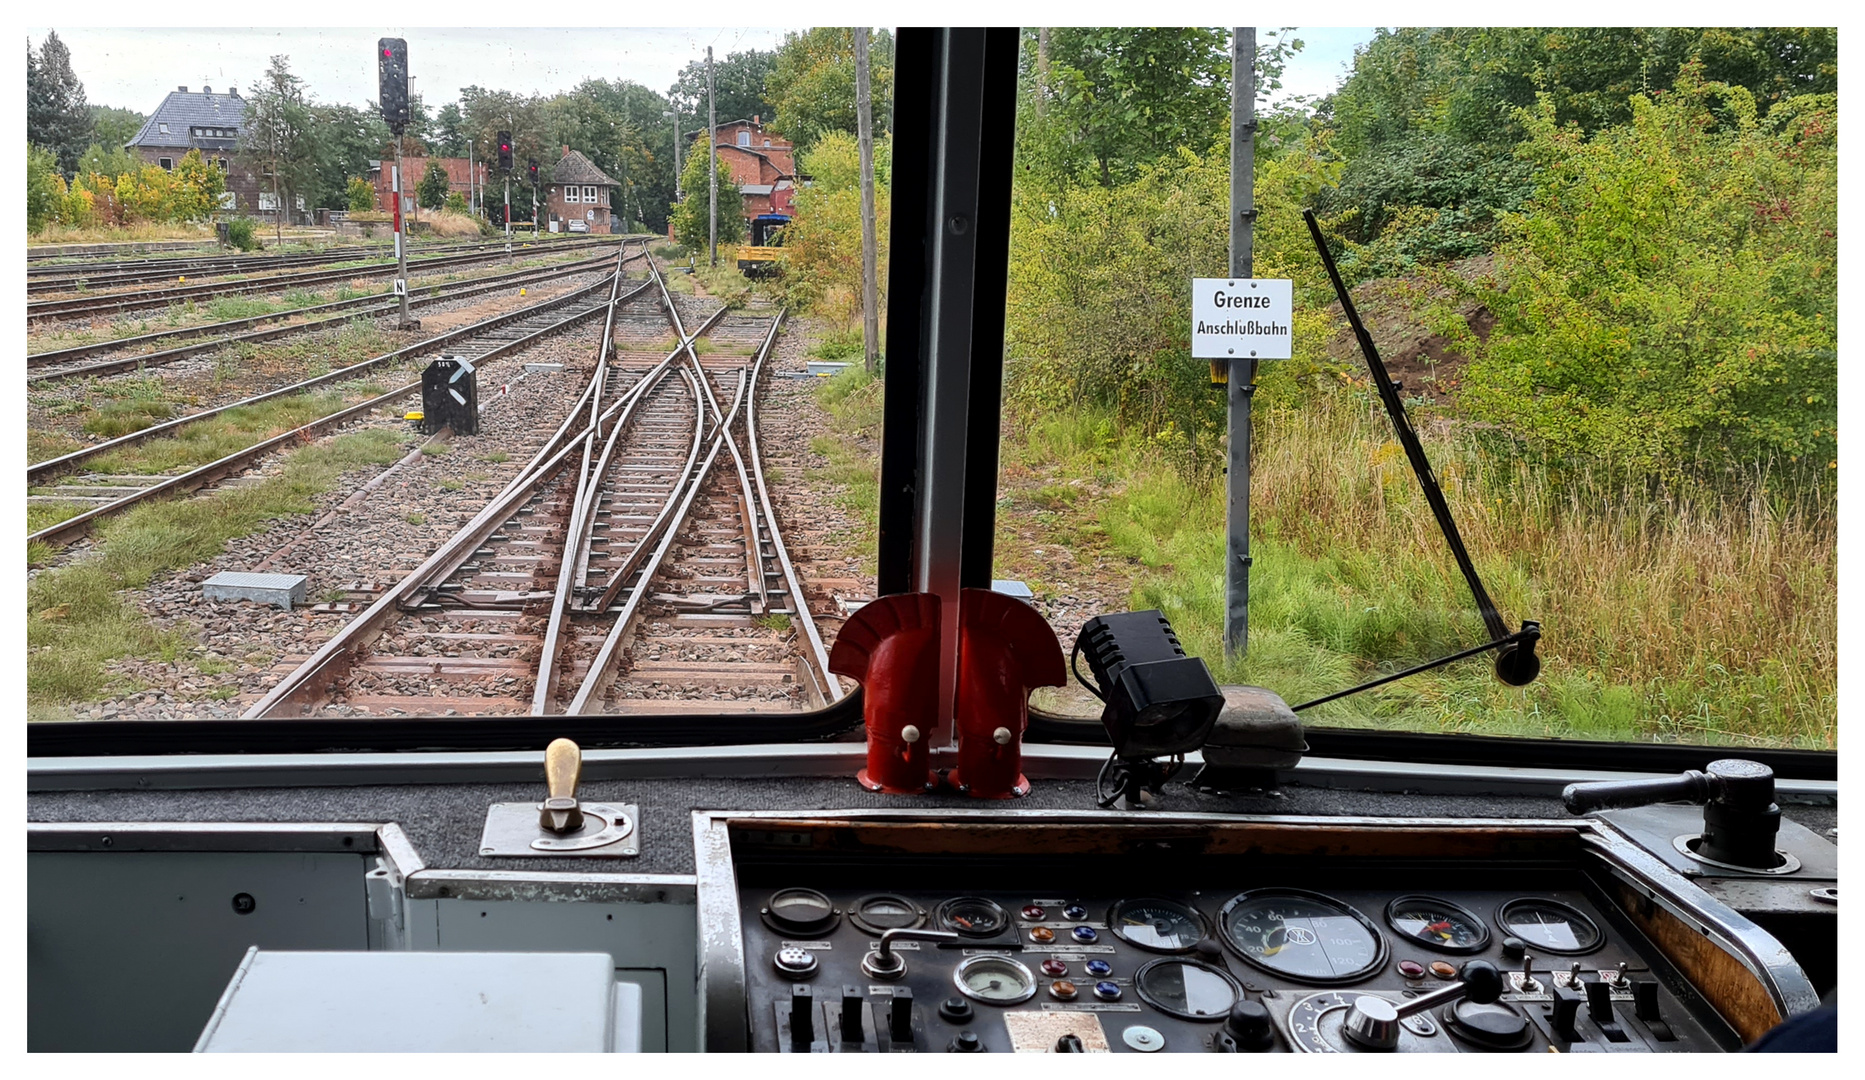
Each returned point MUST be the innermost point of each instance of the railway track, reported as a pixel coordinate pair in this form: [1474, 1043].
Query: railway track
[642, 519]
[480, 342]
[66, 277]
[112, 303]
[60, 364]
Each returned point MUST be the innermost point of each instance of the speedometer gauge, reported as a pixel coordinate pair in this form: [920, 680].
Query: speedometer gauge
[1157, 925]
[1302, 935]
[1437, 923]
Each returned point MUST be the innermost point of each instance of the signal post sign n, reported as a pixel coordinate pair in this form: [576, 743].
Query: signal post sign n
[1242, 318]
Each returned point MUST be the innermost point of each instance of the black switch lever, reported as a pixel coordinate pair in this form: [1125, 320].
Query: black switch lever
[1069, 1044]
[802, 1018]
[1645, 1007]
[1740, 817]
[1566, 1010]
[900, 1018]
[1599, 1000]
[853, 1031]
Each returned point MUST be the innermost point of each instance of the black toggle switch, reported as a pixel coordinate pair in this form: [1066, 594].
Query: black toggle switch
[1599, 1000]
[1069, 1044]
[900, 1017]
[1566, 1010]
[802, 1018]
[852, 1002]
[1645, 1005]
[1645, 999]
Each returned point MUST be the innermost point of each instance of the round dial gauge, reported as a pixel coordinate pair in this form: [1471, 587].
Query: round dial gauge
[1437, 924]
[1549, 926]
[994, 980]
[882, 912]
[973, 916]
[800, 911]
[1302, 935]
[1187, 989]
[1157, 925]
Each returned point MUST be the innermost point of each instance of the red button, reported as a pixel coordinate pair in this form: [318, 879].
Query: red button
[1033, 912]
[1054, 967]
[1411, 969]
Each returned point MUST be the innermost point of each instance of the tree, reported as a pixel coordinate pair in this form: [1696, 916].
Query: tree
[449, 132]
[689, 217]
[45, 189]
[113, 128]
[1670, 297]
[278, 140]
[348, 138]
[455, 204]
[432, 190]
[738, 81]
[811, 85]
[201, 186]
[57, 116]
[361, 195]
[108, 160]
[822, 247]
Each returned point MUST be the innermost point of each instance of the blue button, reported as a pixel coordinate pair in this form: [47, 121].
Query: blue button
[1074, 911]
[1085, 934]
[1107, 991]
[1098, 968]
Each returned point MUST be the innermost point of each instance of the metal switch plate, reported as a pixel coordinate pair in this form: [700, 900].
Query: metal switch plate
[610, 831]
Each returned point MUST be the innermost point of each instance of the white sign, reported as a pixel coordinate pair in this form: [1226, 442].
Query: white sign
[1239, 318]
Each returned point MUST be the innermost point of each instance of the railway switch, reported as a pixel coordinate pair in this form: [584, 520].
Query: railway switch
[450, 396]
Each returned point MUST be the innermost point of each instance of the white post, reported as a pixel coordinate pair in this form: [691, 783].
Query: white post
[712, 166]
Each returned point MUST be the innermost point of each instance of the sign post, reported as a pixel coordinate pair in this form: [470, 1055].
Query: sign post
[1239, 390]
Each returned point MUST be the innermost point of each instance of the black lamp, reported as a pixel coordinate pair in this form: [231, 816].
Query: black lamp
[1159, 702]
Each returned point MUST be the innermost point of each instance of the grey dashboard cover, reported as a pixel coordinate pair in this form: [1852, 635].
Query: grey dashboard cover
[425, 1002]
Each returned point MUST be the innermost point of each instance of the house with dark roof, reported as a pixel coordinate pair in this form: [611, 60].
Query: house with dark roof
[205, 121]
[578, 196]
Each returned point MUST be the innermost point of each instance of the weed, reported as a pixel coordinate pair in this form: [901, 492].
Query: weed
[497, 457]
[451, 485]
[416, 518]
[776, 621]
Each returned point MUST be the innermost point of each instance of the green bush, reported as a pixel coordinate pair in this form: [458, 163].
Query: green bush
[361, 194]
[455, 204]
[1671, 296]
[45, 189]
[242, 233]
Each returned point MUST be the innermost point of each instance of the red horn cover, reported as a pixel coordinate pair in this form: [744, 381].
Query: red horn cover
[1004, 649]
[891, 647]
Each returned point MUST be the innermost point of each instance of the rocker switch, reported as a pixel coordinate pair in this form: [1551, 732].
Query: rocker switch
[853, 1002]
[900, 1018]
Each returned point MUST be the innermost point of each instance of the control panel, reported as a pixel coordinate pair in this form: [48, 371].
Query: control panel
[1534, 961]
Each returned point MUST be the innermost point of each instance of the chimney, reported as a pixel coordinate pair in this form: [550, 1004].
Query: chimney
[566, 151]
[757, 121]
[234, 92]
[183, 89]
[207, 89]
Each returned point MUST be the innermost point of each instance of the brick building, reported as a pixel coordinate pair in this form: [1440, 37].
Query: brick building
[762, 165]
[578, 195]
[459, 178]
[209, 122]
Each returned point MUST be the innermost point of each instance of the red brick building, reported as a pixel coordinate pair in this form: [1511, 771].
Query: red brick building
[761, 164]
[459, 178]
[577, 196]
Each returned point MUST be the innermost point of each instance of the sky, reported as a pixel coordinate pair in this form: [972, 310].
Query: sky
[134, 68]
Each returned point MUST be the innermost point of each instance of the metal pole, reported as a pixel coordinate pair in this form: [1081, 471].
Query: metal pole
[678, 194]
[472, 181]
[712, 166]
[1241, 384]
[864, 123]
[401, 246]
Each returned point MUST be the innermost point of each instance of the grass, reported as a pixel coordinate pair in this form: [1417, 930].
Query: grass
[209, 440]
[853, 468]
[124, 415]
[1694, 616]
[724, 283]
[78, 621]
[776, 622]
[121, 234]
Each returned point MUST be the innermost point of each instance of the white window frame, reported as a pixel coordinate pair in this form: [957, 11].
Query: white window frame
[589, 194]
[744, 138]
[163, 128]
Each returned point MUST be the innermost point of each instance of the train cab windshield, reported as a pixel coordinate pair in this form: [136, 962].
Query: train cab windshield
[760, 622]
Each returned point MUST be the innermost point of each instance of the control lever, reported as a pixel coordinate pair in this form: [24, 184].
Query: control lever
[885, 963]
[560, 813]
[1740, 817]
[1373, 1022]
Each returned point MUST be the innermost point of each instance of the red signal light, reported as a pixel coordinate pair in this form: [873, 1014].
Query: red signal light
[390, 53]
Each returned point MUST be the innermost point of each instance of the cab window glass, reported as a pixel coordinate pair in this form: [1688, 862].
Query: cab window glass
[1653, 481]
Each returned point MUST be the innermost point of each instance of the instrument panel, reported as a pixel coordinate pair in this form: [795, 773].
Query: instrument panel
[1326, 966]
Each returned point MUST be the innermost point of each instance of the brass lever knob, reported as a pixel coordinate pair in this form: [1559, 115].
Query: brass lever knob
[563, 764]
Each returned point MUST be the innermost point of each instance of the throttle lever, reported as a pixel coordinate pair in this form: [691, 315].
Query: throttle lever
[560, 813]
[1740, 816]
[884, 963]
[1373, 1022]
